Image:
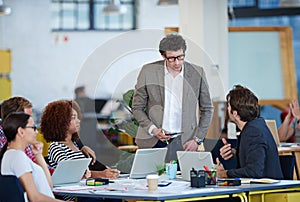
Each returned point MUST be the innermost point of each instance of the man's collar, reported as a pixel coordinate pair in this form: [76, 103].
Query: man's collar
[167, 72]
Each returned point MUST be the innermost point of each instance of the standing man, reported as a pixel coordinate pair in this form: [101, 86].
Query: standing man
[169, 97]
[257, 154]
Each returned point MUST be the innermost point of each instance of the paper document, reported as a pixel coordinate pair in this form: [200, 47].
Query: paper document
[261, 180]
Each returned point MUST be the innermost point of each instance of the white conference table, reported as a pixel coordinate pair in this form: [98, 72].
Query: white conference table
[177, 191]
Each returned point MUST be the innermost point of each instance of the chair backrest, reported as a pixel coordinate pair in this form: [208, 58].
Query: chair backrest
[11, 189]
[287, 163]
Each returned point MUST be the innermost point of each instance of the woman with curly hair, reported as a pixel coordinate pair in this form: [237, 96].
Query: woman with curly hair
[60, 125]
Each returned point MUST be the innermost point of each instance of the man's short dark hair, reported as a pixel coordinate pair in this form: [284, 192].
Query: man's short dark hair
[79, 89]
[243, 101]
[172, 42]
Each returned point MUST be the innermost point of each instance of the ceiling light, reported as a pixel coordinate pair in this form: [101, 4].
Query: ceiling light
[4, 10]
[167, 2]
[114, 7]
[289, 3]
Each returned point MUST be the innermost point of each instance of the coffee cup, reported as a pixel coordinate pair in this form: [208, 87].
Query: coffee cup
[152, 181]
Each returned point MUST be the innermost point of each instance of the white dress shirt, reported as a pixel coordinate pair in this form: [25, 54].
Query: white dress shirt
[173, 102]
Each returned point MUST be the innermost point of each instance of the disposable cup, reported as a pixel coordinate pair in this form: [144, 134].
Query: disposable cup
[152, 181]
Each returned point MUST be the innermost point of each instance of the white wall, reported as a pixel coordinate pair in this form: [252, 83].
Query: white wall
[205, 24]
[45, 68]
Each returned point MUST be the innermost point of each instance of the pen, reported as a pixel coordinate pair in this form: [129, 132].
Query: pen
[166, 139]
[209, 173]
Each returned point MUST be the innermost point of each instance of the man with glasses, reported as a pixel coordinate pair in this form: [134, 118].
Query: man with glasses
[169, 97]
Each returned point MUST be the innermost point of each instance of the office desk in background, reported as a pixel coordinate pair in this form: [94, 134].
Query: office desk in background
[183, 192]
[294, 150]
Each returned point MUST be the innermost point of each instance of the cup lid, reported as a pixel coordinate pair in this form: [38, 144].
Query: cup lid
[152, 176]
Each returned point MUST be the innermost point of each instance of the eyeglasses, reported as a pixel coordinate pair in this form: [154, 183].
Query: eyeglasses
[172, 59]
[33, 127]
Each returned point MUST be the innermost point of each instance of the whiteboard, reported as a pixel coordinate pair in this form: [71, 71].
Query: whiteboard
[261, 58]
[250, 63]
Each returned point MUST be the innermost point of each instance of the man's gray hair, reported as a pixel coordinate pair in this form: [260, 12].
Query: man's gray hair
[172, 42]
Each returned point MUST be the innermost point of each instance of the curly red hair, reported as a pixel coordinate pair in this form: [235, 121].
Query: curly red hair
[56, 120]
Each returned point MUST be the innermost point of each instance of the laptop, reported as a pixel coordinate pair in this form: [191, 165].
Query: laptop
[146, 161]
[188, 160]
[273, 128]
[70, 171]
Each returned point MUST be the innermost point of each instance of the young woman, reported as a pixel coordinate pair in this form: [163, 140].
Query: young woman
[35, 178]
[60, 125]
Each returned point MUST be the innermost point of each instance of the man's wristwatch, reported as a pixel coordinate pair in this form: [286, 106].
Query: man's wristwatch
[198, 140]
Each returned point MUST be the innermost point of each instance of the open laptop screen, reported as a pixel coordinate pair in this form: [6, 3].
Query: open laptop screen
[70, 171]
[146, 161]
[197, 160]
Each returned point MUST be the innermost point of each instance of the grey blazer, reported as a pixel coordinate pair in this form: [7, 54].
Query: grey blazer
[148, 103]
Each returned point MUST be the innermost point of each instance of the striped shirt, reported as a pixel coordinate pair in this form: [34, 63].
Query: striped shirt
[58, 152]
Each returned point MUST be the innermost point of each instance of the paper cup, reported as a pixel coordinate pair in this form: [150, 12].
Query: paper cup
[152, 181]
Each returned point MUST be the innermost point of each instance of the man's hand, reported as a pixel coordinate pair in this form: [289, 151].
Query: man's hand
[221, 172]
[89, 153]
[190, 145]
[160, 134]
[226, 151]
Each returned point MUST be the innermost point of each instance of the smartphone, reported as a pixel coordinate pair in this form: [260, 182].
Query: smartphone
[163, 183]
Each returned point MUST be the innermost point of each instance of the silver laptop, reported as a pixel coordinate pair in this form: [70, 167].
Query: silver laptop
[273, 128]
[197, 160]
[70, 171]
[146, 161]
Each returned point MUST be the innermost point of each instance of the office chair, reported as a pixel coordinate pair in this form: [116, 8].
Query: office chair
[287, 163]
[11, 189]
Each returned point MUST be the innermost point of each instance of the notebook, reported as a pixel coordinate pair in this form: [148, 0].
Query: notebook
[70, 171]
[146, 161]
[188, 160]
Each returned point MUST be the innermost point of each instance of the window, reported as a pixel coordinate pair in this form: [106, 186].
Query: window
[84, 15]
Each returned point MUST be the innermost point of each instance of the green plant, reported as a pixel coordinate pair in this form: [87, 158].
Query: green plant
[129, 127]
[161, 169]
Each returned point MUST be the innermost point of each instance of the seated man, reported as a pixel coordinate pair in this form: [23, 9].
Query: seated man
[257, 154]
